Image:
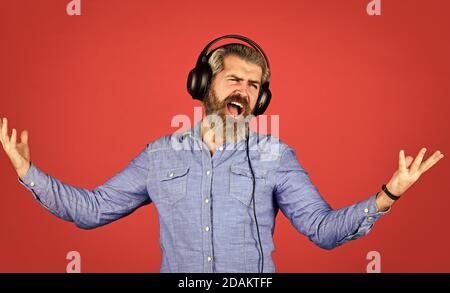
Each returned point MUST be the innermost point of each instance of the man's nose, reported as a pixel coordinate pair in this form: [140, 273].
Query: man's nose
[243, 93]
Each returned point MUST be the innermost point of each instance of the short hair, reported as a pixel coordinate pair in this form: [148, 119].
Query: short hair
[244, 52]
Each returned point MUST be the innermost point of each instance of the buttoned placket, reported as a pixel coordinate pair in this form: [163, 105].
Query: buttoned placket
[207, 208]
[208, 200]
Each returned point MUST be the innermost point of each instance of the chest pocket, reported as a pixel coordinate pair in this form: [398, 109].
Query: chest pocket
[172, 184]
[241, 182]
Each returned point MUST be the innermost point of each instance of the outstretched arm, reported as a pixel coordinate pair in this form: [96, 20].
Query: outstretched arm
[310, 214]
[116, 198]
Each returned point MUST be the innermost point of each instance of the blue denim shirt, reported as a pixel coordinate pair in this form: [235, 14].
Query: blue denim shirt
[204, 202]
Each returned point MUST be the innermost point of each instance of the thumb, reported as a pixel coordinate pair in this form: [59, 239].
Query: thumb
[24, 137]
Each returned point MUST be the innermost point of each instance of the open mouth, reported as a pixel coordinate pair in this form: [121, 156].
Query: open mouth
[235, 108]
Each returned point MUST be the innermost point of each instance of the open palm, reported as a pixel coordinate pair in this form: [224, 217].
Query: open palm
[18, 153]
[410, 169]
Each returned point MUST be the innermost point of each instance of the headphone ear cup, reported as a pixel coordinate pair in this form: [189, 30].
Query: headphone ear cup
[198, 81]
[263, 100]
[192, 83]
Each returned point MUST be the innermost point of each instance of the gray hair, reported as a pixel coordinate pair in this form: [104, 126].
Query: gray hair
[244, 52]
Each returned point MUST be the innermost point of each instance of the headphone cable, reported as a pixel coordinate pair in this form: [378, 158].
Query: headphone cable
[253, 200]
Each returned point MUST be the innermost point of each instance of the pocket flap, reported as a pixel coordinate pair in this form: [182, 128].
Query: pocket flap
[245, 171]
[172, 173]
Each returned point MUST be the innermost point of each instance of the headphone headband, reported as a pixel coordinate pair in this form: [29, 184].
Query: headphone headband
[204, 54]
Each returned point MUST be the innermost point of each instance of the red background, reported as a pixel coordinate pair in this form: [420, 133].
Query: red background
[351, 91]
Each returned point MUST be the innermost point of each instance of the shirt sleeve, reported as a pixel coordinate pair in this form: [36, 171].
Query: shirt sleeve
[311, 215]
[116, 198]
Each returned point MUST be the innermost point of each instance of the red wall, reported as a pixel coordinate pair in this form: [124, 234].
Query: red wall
[351, 91]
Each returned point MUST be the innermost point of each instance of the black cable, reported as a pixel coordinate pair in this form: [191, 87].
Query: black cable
[253, 200]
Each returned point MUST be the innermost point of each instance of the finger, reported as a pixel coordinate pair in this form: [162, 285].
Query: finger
[5, 130]
[401, 161]
[13, 138]
[409, 160]
[24, 137]
[415, 165]
[431, 161]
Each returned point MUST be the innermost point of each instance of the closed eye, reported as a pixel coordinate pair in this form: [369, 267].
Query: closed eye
[236, 79]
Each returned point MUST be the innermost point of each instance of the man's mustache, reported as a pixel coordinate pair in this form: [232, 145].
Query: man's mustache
[236, 97]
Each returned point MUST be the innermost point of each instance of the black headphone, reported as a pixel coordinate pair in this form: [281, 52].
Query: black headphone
[199, 78]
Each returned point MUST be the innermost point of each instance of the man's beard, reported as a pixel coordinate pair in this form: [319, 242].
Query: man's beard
[233, 129]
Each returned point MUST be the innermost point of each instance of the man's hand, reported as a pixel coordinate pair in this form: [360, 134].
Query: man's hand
[406, 175]
[19, 154]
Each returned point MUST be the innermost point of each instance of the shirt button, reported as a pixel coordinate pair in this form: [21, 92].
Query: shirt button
[31, 183]
[208, 172]
[370, 219]
[171, 174]
[206, 228]
[221, 148]
[366, 210]
[206, 200]
[209, 258]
